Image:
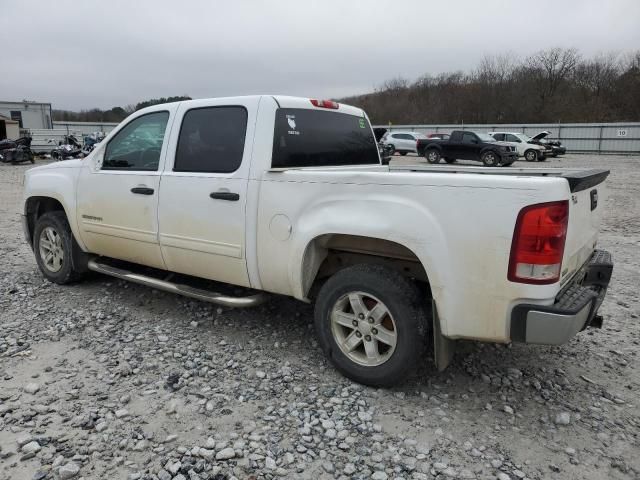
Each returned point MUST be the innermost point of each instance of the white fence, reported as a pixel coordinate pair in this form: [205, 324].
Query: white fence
[622, 138]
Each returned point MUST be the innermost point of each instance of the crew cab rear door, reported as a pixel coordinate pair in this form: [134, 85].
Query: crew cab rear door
[203, 189]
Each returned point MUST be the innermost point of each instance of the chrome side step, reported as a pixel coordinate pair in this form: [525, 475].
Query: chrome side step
[187, 291]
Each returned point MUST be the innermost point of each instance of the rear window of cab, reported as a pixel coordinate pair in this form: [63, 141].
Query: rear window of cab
[316, 138]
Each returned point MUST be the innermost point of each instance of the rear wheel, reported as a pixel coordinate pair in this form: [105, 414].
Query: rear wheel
[53, 247]
[403, 153]
[531, 155]
[490, 159]
[432, 155]
[371, 323]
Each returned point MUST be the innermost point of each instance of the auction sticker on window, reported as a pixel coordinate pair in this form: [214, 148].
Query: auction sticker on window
[362, 123]
[291, 120]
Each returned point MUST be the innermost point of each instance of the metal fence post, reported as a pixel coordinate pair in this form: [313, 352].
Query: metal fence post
[600, 139]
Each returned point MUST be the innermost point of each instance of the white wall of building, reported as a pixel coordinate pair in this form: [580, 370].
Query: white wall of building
[34, 115]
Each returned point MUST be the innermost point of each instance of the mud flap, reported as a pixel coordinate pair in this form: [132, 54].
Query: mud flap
[443, 348]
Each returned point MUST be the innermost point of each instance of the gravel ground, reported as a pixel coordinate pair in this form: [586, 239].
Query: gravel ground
[105, 379]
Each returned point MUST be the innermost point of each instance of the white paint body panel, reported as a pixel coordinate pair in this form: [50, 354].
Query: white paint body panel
[459, 225]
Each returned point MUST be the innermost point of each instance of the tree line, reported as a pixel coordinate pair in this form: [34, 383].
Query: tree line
[553, 85]
[115, 114]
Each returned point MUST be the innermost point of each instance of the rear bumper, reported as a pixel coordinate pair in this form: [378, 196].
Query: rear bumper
[575, 308]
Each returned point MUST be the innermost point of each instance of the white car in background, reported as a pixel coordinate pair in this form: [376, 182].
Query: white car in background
[403, 142]
[530, 151]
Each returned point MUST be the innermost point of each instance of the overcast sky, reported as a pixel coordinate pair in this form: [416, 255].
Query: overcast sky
[84, 53]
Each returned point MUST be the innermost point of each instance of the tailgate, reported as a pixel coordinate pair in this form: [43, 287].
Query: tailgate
[586, 205]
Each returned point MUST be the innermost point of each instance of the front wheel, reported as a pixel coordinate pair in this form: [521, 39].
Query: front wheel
[432, 155]
[371, 323]
[53, 246]
[531, 156]
[490, 159]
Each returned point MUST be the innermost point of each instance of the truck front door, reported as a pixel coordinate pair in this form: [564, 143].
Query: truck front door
[204, 190]
[469, 147]
[118, 191]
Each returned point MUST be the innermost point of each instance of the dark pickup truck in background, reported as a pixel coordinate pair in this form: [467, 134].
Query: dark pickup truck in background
[468, 145]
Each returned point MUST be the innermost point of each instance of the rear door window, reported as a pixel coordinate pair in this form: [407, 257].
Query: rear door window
[211, 140]
[498, 136]
[310, 138]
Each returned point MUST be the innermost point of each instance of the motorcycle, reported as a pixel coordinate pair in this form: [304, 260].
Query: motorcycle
[69, 148]
[16, 151]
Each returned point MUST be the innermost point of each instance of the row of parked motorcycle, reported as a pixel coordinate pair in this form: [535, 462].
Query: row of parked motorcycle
[19, 150]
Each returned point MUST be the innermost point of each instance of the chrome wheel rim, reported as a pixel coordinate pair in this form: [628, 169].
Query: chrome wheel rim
[531, 156]
[433, 156]
[51, 249]
[364, 329]
[490, 159]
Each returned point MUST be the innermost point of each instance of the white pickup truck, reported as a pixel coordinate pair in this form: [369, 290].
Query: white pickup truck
[288, 196]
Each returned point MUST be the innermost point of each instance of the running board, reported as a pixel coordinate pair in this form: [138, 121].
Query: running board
[187, 291]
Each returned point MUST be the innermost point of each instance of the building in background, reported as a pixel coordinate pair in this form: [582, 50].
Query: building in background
[28, 114]
[9, 128]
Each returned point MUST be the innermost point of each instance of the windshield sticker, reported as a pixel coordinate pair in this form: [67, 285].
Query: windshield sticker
[362, 124]
[291, 120]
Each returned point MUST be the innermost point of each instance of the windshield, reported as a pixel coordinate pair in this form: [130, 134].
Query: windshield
[485, 137]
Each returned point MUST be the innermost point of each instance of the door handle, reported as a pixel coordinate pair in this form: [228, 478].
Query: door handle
[142, 190]
[230, 196]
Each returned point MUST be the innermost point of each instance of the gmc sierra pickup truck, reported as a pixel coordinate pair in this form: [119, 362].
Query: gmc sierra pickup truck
[467, 145]
[288, 196]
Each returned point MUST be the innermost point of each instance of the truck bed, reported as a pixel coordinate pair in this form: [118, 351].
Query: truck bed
[578, 178]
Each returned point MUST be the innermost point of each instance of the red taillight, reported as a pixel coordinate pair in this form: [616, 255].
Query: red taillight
[325, 104]
[538, 243]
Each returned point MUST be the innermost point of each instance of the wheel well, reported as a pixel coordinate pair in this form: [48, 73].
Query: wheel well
[38, 206]
[327, 254]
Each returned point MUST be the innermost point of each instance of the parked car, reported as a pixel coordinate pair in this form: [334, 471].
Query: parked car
[468, 145]
[403, 142]
[386, 151]
[531, 152]
[555, 145]
[288, 196]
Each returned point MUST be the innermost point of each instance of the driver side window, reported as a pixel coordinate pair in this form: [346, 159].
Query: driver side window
[137, 146]
[468, 138]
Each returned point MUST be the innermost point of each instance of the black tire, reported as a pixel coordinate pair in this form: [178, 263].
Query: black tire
[450, 160]
[531, 155]
[490, 159]
[542, 158]
[408, 314]
[57, 221]
[554, 155]
[392, 149]
[508, 164]
[432, 155]
[403, 153]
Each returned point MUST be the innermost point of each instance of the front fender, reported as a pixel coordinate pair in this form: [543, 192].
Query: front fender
[57, 182]
[396, 219]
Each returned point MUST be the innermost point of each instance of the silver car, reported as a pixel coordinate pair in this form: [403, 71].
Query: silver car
[403, 142]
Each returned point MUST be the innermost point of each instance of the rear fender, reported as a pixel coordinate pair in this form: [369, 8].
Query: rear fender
[379, 216]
